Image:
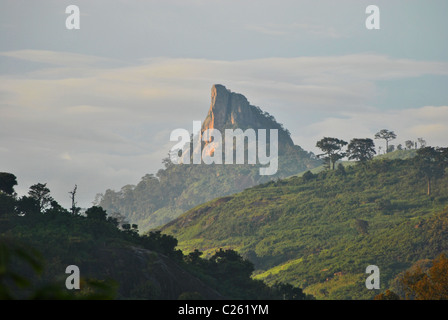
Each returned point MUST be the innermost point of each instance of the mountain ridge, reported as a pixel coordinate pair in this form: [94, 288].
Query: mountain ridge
[159, 198]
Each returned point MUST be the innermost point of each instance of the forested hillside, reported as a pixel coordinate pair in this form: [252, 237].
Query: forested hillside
[158, 199]
[320, 231]
[39, 239]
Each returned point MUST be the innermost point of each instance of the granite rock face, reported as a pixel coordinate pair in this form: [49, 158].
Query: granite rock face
[229, 110]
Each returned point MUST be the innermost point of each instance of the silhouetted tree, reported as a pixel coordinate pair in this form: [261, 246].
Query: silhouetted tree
[409, 144]
[442, 155]
[422, 142]
[7, 182]
[96, 213]
[74, 209]
[332, 148]
[229, 265]
[56, 208]
[391, 148]
[429, 164]
[41, 194]
[7, 204]
[27, 206]
[361, 149]
[155, 240]
[194, 257]
[386, 135]
[118, 217]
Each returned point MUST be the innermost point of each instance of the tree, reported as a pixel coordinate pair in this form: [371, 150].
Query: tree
[332, 148]
[7, 204]
[7, 182]
[74, 209]
[409, 144]
[157, 241]
[422, 142]
[341, 170]
[27, 206]
[361, 149]
[56, 208]
[41, 194]
[391, 148]
[117, 218]
[307, 176]
[229, 265]
[167, 163]
[442, 155]
[386, 135]
[96, 213]
[362, 226]
[194, 257]
[429, 164]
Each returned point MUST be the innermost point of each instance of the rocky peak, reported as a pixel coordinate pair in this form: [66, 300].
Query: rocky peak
[229, 110]
[226, 109]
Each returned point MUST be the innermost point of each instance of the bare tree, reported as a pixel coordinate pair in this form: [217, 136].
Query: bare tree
[74, 209]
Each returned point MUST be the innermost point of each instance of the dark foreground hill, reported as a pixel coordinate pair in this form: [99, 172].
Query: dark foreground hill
[160, 198]
[320, 231]
[39, 239]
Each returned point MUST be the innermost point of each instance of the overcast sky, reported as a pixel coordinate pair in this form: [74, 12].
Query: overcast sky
[95, 106]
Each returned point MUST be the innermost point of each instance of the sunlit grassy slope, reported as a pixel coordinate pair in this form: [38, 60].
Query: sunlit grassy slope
[309, 231]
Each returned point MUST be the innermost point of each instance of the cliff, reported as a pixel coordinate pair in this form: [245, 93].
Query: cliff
[229, 110]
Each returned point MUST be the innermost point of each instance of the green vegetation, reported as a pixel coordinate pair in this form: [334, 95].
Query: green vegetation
[320, 231]
[158, 199]
[332, 150]
[39, 239]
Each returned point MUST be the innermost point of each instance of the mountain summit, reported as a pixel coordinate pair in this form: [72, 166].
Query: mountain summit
[230, 110]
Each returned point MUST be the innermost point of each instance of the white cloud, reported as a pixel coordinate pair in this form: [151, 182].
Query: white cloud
[65, 59]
